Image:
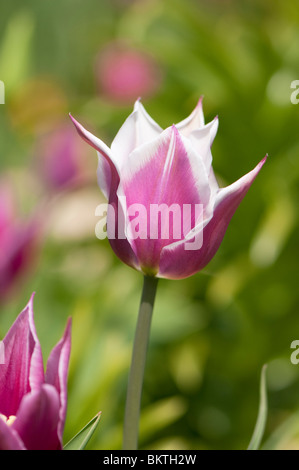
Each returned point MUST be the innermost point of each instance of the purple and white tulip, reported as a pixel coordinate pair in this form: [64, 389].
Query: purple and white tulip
[147, 170]
[32, 403]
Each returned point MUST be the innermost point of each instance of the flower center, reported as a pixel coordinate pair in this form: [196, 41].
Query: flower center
[8, 420]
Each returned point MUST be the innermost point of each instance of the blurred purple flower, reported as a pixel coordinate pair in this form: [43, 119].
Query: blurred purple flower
[59, 160]
[123, 73]
[19, 243]
[32, 403]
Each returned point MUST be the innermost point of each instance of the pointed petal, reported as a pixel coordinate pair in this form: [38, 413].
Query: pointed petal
[37, 419]
[23, 367]
[194, 121]
[92, 140]
[138, 129]
[9, 439]
[108, 169]
[203, 138]
[57, 372]
[177, 262]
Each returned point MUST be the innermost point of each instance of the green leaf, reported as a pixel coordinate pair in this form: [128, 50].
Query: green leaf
[80, 440]
[262, 414]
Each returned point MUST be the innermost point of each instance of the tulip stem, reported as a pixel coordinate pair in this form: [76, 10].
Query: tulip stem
[134, 391]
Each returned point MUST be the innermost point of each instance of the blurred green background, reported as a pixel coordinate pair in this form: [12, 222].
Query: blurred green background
[211, 333]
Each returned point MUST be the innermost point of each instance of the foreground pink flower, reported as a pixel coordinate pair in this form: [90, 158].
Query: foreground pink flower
[148, 167]
[19, 241]
[32, 404]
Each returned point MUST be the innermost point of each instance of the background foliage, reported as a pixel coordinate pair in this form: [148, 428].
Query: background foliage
[211, 333]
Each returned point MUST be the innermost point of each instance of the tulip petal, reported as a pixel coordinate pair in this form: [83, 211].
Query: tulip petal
[108, 178]
[9, 438]
[201, 136]
[23, 367]
[202, 140]
[163, 172]
[108, 168]
[38, 418]
[138, 129]
[177, 262]
[57, 372]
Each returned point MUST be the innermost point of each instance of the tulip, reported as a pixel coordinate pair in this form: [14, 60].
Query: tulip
[19, 241]
[32, 403]
[147, 167]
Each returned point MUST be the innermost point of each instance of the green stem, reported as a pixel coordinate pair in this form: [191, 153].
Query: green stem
[134, 391]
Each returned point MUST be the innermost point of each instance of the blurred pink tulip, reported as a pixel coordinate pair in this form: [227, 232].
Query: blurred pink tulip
[123, 74]
[32, 404]
[19, 242]
[148, 167]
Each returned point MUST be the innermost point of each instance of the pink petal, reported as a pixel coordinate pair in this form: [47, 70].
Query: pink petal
[108, 178]
[177, 262]
[38, 418]
[23, 367]
[57, 372]
[9, 438]
[165, 171]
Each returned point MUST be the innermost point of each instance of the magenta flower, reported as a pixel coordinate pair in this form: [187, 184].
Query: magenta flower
[151, 177]
[19, 242]
[32, 404]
